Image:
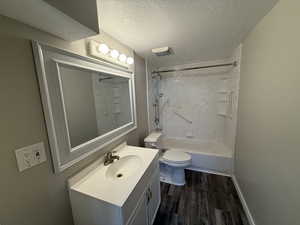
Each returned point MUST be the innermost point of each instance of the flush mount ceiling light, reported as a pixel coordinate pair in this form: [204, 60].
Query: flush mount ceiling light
[114, 53]
[122, 58]
[130, 60]
[103, 48]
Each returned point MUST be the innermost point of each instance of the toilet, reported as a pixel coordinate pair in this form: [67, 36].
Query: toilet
[171, 162]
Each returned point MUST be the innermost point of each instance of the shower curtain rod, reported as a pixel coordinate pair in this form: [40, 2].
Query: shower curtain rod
[157, 72]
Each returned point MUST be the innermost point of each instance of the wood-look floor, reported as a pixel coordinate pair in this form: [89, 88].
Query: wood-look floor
[206, 199]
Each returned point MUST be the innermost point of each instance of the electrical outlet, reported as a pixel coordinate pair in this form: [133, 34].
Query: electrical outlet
[39, 155]
[30, 156]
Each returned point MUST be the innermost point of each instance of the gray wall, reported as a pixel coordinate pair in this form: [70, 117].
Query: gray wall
[137, 137]
[85, 12]
[15, 29]
[37, 196]
[268, 136]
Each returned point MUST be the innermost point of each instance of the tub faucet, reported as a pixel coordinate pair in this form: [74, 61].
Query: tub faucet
[109, 158]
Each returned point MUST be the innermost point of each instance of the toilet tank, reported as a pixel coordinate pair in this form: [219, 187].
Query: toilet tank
[151, 141]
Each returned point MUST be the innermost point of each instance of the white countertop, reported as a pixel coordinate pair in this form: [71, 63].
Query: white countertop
[114, 191]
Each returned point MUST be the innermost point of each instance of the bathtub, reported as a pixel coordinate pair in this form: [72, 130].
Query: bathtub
[206, 156]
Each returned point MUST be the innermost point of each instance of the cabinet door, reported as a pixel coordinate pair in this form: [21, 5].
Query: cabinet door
[141, 217]
[153, 197]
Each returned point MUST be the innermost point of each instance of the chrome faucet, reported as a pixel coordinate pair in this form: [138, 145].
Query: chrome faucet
[109, 158]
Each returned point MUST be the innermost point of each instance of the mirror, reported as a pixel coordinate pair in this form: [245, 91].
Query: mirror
[87, 103]
[95, 103]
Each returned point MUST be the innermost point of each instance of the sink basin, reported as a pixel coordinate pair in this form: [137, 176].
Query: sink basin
[124, 168]
[115, 183]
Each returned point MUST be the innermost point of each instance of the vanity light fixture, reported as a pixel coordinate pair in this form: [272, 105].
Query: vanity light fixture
[130, 60]
[122, 58]
[103, 48]
[114, 54]
[104, 51]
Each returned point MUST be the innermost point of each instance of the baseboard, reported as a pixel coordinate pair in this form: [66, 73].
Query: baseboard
[243, 201]
[237, 187]
[198, 169]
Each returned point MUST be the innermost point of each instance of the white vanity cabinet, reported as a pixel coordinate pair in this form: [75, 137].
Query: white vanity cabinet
[153, 198]
[134, 200]
[140, 216]
[147, 207]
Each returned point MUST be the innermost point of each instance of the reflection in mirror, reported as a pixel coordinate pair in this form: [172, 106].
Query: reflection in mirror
[95, 103]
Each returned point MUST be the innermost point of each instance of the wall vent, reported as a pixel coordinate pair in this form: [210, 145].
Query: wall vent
[164, 51]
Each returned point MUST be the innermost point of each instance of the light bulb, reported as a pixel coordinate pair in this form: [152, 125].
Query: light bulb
[114, 53]
[103, 48]
[130, 60]
[122, 58]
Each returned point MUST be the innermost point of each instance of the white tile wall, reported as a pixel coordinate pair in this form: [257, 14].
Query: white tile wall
[231, 124]
[112, 108]
[194, 96]
[191, 98]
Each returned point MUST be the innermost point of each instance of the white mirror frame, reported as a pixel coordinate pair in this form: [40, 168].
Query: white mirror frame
[47, 60]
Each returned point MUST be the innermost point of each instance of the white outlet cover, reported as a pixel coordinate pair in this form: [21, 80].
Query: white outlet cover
[30, 156]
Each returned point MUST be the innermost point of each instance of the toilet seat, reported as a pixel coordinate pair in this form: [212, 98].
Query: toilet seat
[176, 157]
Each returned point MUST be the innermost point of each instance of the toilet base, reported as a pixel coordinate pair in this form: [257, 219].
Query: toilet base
[169, 181]
[172, 175]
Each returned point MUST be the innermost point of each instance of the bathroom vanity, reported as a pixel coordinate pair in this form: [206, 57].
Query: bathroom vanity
[125, 192]
[88, 105]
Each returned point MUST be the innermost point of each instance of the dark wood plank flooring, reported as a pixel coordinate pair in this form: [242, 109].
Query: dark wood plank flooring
[206, 199]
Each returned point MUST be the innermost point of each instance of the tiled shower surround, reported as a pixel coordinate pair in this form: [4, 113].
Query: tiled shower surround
[189, 109]
[111, 97]
[198, 107]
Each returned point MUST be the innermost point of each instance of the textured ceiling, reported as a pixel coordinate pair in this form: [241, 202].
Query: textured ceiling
[195, 29]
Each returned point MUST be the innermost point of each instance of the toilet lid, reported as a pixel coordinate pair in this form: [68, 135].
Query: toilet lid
[176, 156]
